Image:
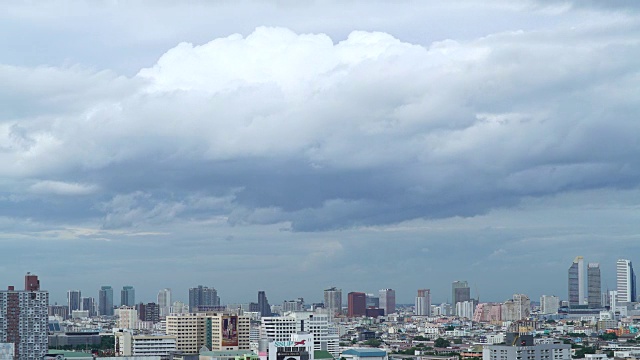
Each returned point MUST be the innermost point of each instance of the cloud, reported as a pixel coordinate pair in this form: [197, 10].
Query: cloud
[62, 188]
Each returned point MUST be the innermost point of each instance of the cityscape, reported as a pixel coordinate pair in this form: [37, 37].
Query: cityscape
[319, 179]
[586, 322]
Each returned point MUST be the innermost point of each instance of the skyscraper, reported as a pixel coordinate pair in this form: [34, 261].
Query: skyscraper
[88, 304]
[333, 300]
[164, 301]
[387, 300]
[357, 304]
[263, 304]
[460, 291]
[24, 318]
[626, 281]
[105, 301]
[128, 296]
[576, 282]
[423, 303]
[203, 296]
[73, 300]
[594, 289]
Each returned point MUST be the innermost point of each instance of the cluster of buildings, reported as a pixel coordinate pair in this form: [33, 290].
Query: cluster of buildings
[369, 325]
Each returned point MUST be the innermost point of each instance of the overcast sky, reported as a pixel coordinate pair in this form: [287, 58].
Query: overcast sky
[291, 146]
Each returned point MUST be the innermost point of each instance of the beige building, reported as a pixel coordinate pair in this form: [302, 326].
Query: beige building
[216, 331]
[127, 344]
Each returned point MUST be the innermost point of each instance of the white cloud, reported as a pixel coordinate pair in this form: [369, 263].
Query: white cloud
[62, 188]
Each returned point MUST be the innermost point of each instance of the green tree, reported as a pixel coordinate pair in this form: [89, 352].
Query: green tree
[441, 343]
[373, 342]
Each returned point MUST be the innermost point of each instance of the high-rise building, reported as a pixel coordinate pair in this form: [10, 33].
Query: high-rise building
[594, 288]
[127, 317]
[203, 296]
[74, 300]
[88, 304]
[216, 331]
[293, 305]
[626, 281]
[465, 309]
[148, 312]
[357, 304]
[164, 302]
[333, 301]
[24, 319]
[576, 282]
[387, 301]
[105, 301]
[280, 328]
[263, 304]
[549, 304]
[128, 296]
[460, 291]
[517, 308]
[423, 303]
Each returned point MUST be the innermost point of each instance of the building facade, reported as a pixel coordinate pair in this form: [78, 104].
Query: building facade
[594, 287]
[576, 282]
[74, 300]
[164, 302]
[549, 304]
[460, 291]
[423, 303]
[24, 319]
[626, 281]
[333, 301]
[203, 296]
[128, 296]
[356, 304]
[387, 301]
[263, 304]
[216, 331]
[105, 301]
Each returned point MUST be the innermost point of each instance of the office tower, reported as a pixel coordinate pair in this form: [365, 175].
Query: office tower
[357, 304]
[576, 282]
[60, 311]
[333, 301]
[24, 319]
[73, 300]
[594, 289]
[263, 304]
[423, 303]
[549, 304]
[517, 308]
[203, 296]
[460, 291]
[88, 304]
[626, 281]
[128, 296]
[373, 301]
[105, 301]
[164, 302]
[216, 331]
[387, 301]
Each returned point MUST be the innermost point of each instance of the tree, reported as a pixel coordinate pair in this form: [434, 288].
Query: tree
[373, 342]
[608, 336]
[441, 343]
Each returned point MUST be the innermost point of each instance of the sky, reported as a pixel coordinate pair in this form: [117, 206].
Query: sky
[292, 146]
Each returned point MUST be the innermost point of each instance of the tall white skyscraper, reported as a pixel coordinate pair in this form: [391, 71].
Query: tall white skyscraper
[549, 304]
[423, 302]
[164, 301]
[626, 281]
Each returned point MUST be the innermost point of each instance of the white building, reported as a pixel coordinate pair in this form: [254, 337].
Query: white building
[626, 281]
[387, 301]
[423, 303]
[465, 309]
[127, 317]
[127, 344]
[534, 352]
[281, 328]
[164, 302]
[549, 304]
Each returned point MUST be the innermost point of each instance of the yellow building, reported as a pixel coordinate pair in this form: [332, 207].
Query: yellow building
[216, 331]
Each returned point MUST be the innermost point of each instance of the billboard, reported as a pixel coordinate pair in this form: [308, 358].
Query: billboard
[230, 330]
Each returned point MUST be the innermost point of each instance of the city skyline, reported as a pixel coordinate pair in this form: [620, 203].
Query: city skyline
[364, 145]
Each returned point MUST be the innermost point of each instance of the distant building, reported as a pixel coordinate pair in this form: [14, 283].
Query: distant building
[280, 328]
[263, 304]
[74, 301]
[522, 347]
[333, 300]
[164, 302]
[465, 309]
[388, 301]
[549, 304]
[128, 296]
[148, 312]
[423, 303]
[460, 291]
[24, 318]
[203, 295]
[127, 344]
[59, 310]
[357, 304]
[105, 301]
[626, 281]
[594, 288]
[293, 305]
[576, 282]
[517, 308]
[216, 331]
[127, 317]
[88, 304]
[364, 354]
